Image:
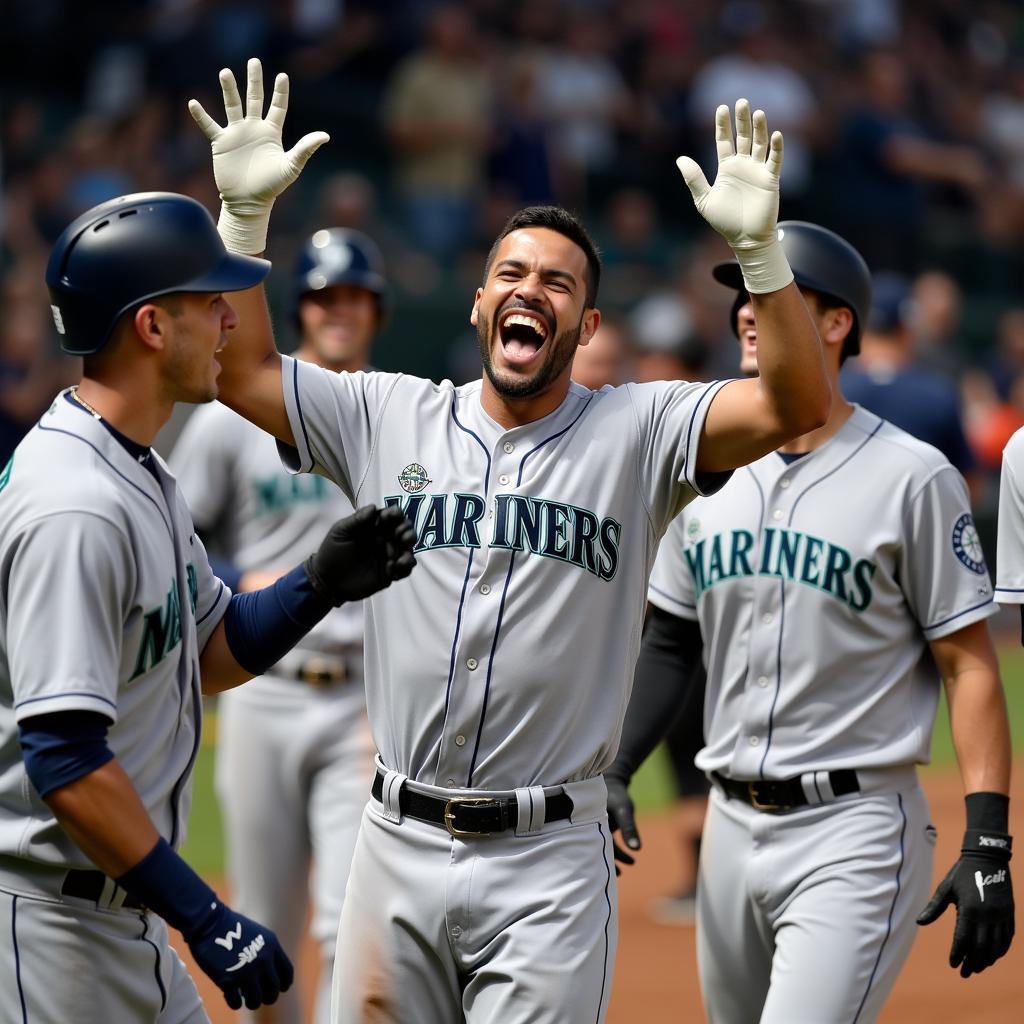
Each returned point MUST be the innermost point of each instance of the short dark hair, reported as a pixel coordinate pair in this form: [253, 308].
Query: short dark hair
[555, 218]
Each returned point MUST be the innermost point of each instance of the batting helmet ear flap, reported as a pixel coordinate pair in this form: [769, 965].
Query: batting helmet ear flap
[823, 262]
[131, 249]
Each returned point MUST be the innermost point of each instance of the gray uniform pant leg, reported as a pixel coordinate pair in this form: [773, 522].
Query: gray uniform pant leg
[808, 916]
[294, 767]
[63, 962]
[438, 930]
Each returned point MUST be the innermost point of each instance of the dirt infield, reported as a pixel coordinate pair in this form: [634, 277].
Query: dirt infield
[656, 981]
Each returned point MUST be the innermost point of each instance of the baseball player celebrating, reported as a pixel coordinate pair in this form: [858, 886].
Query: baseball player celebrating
[112, 625]
[827, 587]
[294, 754]
[482, 886]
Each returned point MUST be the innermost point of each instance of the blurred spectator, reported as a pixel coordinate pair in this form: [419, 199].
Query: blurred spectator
[439, 111]
[990, 420]
[754, 67]
[885, 379]
[636, 255]
[1005, 365]
[886, 156]
[585, 101]
[603, 360]
[936, 312]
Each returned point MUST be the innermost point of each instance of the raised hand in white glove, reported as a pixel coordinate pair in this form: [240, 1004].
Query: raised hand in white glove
[250, 165]
[743, 203]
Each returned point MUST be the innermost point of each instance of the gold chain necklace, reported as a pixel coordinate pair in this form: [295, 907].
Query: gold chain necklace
[83, 403]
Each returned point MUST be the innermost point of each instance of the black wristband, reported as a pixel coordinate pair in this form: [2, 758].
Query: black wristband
[984, 843]
[988, 811]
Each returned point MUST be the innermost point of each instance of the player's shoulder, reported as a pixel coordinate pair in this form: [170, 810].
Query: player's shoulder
[894, 449]
[1013, 451]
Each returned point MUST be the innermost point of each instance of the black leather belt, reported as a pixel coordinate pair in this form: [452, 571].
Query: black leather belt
[89, 885]
[783, 794]
[470, 816]
[321, 671]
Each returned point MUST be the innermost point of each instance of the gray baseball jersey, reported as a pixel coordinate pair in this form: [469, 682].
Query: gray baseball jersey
[106, 601]
[817, 584]
[506, 660]
[503, 663]
[1010, 540]
[292, 758]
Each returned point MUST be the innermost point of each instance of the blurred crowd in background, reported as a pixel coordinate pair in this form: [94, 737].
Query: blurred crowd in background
[903, 122]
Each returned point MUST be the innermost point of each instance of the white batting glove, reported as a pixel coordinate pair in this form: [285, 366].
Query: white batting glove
[743, 204]
[250, 165]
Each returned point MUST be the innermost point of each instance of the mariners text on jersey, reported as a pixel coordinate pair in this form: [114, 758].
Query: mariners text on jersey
[788, 554]
[553, 529]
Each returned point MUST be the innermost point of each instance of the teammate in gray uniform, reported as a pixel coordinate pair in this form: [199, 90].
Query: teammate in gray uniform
[482, 886]
[294, 754]
[111, 626]
[828, 587]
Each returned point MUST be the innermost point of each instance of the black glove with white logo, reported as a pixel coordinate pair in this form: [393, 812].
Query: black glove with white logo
[361, 554]
[242, 958]
[979, 886]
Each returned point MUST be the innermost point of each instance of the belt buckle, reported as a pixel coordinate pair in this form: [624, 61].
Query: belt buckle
[756, 803]
[449, 814]
[318, 671]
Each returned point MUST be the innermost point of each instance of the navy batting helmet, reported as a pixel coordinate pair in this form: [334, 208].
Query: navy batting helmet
[340, 256]
[132, 249]
[823, 262]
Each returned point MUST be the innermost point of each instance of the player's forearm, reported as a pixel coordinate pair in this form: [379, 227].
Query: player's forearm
[250, 377]
[793, 382]
[980, 729]
[105, 818]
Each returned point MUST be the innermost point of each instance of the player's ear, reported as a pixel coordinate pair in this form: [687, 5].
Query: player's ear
[589, 326]
[474, 314]
[148, 320]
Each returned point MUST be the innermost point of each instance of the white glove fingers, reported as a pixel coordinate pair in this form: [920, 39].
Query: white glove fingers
[744, 132]
[723, 134]
[775, 154]
[254, 89]
[694, 178]
[305, 148]
[759, 151]
[207, 125]
[232, 101]
[279, 102]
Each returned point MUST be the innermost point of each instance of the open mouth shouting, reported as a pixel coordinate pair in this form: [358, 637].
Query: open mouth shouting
[522, 333]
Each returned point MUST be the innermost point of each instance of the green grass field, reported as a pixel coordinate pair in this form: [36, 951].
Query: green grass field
[652, 787]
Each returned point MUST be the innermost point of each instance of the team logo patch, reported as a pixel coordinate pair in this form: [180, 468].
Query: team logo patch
[413, 478]
[967, 545]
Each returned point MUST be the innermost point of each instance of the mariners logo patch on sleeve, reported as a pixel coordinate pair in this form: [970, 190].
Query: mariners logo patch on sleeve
[413, 478]
[967, 545]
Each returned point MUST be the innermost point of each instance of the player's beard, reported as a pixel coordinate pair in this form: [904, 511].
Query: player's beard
[559, 355]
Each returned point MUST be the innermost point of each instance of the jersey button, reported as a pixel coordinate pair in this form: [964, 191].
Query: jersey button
[485, 588]
[753, 741]
[460, 741]
[456, 931]
[450, 783]
[777, 514]
[503, 479]
[762, 681]
[508, 447]
[784, 483]
[471, 663]
[767, 618]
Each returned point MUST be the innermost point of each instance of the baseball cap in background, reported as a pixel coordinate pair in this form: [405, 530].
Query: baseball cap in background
[891, 302]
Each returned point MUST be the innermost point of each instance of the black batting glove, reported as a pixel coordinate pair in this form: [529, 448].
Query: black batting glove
[980, 888]
[242, 958]
[621, 818]
[361, 554]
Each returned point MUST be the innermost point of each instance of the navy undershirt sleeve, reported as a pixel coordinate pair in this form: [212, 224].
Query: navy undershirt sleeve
[226, 570]
[63, 746]
[261, 626]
